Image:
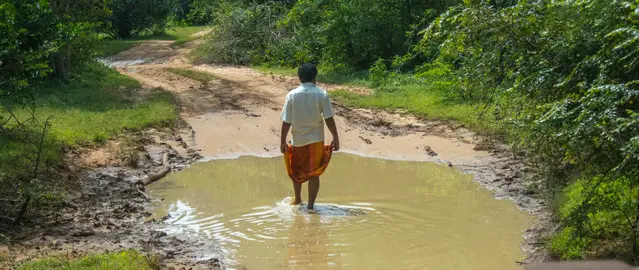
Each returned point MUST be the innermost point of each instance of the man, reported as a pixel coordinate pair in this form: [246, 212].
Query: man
[305, 111]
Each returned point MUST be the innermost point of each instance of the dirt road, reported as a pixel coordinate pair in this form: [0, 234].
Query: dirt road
[238, 114]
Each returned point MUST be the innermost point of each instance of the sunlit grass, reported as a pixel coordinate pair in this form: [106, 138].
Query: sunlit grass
[428, 100]
[95, 105]
[125, 260]
[324, 75]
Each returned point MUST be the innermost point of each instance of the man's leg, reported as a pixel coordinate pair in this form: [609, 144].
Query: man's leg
[313, 189]
[298, 193]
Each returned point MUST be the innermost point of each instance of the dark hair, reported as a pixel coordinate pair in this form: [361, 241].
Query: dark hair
[307, 72]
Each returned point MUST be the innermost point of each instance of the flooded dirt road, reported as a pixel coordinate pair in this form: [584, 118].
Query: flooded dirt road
[237, 115]
[372, 214]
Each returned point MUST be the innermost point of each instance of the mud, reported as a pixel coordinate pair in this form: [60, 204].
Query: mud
[238, 114]
[106, 213]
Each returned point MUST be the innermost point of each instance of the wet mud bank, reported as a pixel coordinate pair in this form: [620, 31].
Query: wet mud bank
[107, 211]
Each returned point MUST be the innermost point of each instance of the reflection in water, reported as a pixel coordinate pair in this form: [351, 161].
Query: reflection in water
[371, 214]
[308, 243]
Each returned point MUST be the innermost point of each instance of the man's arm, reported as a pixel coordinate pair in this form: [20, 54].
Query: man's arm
[285, 128]
[287, 119]
[330, 123]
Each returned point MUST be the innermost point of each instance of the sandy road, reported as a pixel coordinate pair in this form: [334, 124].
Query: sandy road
[238, 114]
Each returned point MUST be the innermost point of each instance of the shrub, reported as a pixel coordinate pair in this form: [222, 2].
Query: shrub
[132, 17]
[244, 35]
[566, 92]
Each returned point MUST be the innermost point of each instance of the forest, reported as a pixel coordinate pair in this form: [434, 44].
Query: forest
[558, 81]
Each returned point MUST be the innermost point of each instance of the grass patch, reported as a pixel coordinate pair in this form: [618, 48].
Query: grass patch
[426, 101]
[97, 104]
[181, 35]
[125, 260]
[359, 78]
[200, 76]
[100, 103]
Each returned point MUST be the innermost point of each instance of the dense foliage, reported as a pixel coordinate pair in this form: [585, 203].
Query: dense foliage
[29, 36]
[132, 17]
[45, 46]
[350, 34]
[232, 41]
[567, 91]
[195, 12]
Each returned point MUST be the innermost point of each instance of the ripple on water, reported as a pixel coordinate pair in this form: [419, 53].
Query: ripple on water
[372, 214]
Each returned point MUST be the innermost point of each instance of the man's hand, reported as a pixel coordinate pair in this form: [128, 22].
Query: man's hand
[283, 144]
[335, 144]
[330, 123]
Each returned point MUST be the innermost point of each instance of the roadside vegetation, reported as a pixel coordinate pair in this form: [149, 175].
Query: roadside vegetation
[55, 96]
[557, 80]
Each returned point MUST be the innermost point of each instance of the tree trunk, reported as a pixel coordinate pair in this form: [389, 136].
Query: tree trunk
[60, 62]
[634, 233]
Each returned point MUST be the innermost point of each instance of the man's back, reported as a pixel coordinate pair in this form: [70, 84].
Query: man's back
[304, 113]
[306, 108]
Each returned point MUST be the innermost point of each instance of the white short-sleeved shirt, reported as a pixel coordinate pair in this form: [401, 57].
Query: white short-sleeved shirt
[305, 109]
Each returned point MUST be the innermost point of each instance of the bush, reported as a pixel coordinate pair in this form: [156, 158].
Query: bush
[343, 34]
[566, 92]
[132, 17]
[30, 35]
[357, 33]
[201, 12]
[244, 35]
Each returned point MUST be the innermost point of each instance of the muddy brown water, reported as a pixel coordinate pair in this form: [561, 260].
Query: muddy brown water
[371, 214]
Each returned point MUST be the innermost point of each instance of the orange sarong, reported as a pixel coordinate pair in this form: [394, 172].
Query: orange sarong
[308, 161]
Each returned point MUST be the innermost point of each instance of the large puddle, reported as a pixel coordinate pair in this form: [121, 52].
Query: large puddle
[371, 214]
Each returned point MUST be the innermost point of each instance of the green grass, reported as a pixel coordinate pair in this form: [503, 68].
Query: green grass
[359, 78]
[427, 100]
[178, 33]
[422, 101]
[125, 260]
[100, 103]
[181, 35]
[95, 105]
[200, 76]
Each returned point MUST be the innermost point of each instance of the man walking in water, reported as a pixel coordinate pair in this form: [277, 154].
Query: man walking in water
[306, 109]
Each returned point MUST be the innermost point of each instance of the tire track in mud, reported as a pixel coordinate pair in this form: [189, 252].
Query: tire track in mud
[238, 114]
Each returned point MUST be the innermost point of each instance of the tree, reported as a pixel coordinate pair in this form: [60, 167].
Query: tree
[131, 17]
[566, 91]
[30, 36]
